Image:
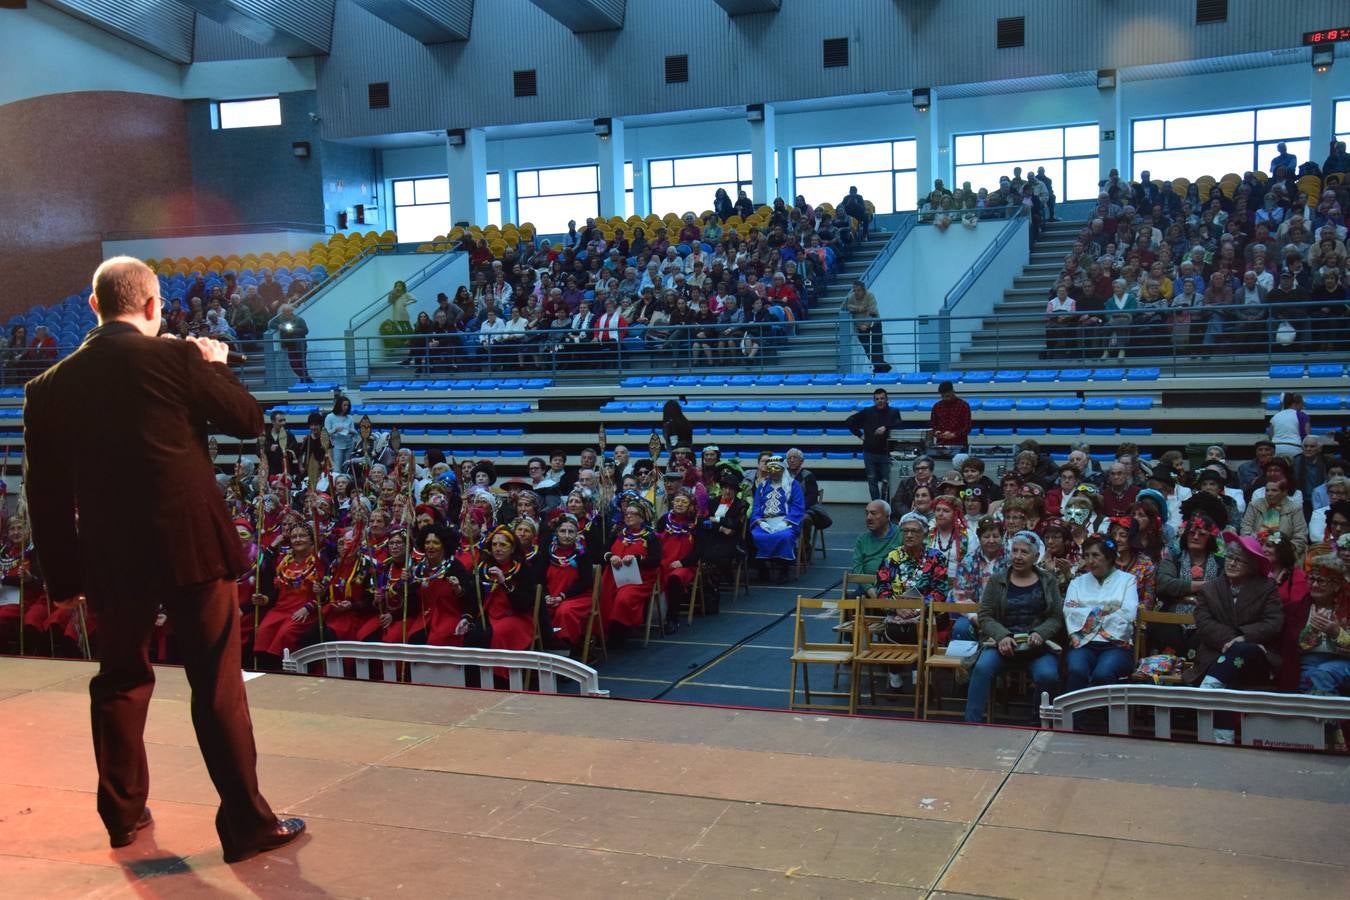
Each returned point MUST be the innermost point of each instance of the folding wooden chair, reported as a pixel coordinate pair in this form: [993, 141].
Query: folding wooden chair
[653, 612]
[806, 653]
[538, 642]
[741, 578]
[844, 628]
[696, 601]
[593, 624]
[808, 541]
[936, 659]
[875, 652]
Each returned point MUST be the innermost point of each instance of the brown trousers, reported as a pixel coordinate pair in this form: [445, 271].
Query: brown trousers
[205, 620]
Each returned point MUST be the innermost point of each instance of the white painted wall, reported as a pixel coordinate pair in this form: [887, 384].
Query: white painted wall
[49, 52]
[214, 245]
[228, 79]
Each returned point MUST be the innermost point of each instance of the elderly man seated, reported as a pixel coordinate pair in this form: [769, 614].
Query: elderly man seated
[776, 520]
[876, 542]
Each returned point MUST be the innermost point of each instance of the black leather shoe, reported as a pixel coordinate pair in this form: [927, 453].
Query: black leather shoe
[125, 838]
[285, 831]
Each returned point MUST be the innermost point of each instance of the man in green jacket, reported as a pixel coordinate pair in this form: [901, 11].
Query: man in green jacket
[881, 537]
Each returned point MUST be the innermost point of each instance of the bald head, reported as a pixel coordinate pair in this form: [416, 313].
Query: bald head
[123, 288]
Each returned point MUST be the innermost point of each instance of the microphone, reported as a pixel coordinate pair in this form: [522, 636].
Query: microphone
[233, 358]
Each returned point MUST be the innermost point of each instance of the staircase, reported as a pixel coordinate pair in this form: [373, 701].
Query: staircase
[1019, 343]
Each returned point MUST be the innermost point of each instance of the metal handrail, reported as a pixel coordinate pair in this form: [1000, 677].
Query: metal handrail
[1119, 698]
[958, 291]
[446, 665]
[308, 299]
[902, 230]
[212, 230]
[368, 312]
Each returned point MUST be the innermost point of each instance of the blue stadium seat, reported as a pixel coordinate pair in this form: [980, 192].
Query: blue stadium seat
[615, 406]
[644, 406]
[927, 404]
[998, 431]
[1143, 374]
[741, 381]
[1065, 431]
[1099, 403]
[633, 381]
[486, 432]
[813, 454]
[538, 384]
[769, 381]
[1074, 374]
[1323, 401]
[840, 406]
[511, 452]
[750, 406]
[1103, 457]
[713, 380]
[797, 380]
[886, 378]
[778, 432]
[752, 432]
[1034, 404]
[914, 378]
[510, 384]
[780, 406]
[828, 380]
[996, 404]
[1065, 404]
[1136, 431]
[1273, 402]
[1099, 430]
[660, 381]
[721, 430]
[810, 406]
[415, 432]
[1136, 403]
[696, 406]
[438, 432]
[838, 432]
[1325, 370]
[975, 403]
[1029, 431]
[375, 386]
[1286, 371]
[687, 381]
[980, 376]
[855, 379]
[1010, 376]
[906, 405]
[838, 454]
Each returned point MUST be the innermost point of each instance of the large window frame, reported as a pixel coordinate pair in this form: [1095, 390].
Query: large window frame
[427, 200]
[550, 197]
[1070, 154]
[1340, 120]
[1184, 146]
[681, 184]
[254, 112]
[885, 172]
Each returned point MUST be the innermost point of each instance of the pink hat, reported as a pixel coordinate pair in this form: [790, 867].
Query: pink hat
[1253, 548]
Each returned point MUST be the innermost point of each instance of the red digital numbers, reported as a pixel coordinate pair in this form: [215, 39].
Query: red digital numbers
[1326, 36]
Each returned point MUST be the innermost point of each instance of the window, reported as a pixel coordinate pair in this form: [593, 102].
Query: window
[494, 198]
[421, 208]
[1069, 155]
[1218, 143]
[247, 113]
[550, 197]
[627, 189]
[688, 184]
[1342, 121]
[883, 172]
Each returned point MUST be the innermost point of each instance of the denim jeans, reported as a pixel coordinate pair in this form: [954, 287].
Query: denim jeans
[1324, 673]
[1096, 663]
[877, 467]
[962, 629]
[1044, 669]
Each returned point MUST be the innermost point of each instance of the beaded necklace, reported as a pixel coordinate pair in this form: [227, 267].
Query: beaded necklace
[287, 574]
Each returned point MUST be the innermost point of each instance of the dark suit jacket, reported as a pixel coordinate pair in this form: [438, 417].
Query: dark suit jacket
[118, 432]
[1256, 614]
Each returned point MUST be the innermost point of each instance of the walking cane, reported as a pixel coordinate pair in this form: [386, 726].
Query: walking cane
[82, 626]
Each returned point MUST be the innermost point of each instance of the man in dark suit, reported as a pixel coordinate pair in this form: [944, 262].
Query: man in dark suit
[152, 530]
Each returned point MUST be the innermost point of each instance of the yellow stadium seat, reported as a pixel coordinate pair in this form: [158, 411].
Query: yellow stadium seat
[388, 236]
[1310, 185]
[1181, 186]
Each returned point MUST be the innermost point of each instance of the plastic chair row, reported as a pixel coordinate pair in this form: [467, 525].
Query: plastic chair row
[486, 384]
[1319, 402]
[903, 405]
[987, 376]
[1313, 370]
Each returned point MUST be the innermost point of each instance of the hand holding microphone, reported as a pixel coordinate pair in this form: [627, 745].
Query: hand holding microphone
[212, 350]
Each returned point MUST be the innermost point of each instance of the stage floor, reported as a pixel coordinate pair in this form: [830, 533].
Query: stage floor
[435, 792]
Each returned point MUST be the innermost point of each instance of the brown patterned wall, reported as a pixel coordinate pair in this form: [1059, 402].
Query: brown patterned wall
[73, 166]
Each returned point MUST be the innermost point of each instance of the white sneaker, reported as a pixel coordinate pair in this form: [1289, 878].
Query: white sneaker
[895, 681]
[1225, 736]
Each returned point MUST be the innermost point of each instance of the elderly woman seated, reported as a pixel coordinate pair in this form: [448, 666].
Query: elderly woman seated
[1324, 641]
[1022, 615]
[1099, 613]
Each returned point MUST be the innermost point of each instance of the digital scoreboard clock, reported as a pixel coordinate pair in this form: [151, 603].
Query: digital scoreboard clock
[1326, 36]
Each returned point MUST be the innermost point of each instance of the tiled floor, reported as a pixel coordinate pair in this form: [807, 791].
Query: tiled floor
[435, 792]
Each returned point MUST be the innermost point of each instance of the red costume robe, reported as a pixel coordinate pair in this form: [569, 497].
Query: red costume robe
[350, 581]
[441, 601]
[627, 605]
[295, 589]
[569, 576]
[508, 607]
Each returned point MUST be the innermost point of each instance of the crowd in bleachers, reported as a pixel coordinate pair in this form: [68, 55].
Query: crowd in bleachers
[723, 287]
[1242, 264]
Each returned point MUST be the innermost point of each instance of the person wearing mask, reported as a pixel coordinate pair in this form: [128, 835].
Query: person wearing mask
[874, 425]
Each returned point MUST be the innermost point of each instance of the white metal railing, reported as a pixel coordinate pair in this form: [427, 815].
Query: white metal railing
[1269, 719]
[446, 665]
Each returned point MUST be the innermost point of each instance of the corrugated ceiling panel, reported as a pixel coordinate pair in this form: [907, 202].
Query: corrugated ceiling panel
[215, 42]
[160, 26]
[893, 46]
[309, 20]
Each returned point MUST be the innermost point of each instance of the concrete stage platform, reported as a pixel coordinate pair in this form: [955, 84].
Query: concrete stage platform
[433, 792]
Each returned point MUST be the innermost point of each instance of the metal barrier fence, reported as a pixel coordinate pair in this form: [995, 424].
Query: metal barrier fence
[1176, 341]
[1291, 721]
[446, 666]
